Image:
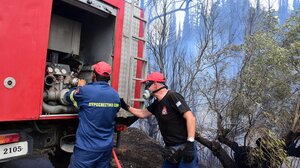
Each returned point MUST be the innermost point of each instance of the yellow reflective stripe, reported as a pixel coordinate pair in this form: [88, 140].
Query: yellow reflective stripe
[95, 104]
[72, 98]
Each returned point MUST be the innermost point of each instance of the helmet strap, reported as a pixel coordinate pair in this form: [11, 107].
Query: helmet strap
[159, 89]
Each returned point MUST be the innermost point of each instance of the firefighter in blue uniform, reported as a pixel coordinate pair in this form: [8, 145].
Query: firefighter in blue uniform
[98, 104]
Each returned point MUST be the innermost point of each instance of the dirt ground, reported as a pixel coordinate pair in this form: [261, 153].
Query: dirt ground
[138, 150]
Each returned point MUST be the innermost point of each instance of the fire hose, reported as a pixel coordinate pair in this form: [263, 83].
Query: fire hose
[116, 158]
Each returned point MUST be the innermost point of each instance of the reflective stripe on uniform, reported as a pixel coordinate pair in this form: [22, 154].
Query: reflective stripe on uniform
[72, 99]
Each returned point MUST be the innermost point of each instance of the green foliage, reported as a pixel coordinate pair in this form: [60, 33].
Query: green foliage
[291, 36]
[269, 151]
[292, 32]
[267, 86]
[267, 74]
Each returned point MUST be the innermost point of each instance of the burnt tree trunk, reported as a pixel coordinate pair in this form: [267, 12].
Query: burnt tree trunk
[217, 151]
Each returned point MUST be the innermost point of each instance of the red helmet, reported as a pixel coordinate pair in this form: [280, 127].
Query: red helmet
[155, 77]
[102, 68]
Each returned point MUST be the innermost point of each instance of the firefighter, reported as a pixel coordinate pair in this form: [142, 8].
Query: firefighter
[176, 122]
[98, 104]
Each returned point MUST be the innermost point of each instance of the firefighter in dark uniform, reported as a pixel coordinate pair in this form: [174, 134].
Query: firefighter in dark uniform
[176, 122]
[98, 104]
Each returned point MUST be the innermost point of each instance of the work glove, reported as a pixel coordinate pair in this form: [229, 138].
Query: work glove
[124, 105]
[171, 155]
[188, 152]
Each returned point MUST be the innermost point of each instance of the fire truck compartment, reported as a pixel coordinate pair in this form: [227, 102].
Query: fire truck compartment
[81, 34]
[82, 30]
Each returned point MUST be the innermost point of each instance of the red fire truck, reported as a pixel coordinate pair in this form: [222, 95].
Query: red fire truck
[45, 47]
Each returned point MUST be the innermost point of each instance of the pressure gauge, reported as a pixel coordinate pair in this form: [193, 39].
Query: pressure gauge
[57, 71]
[63, 71]
[50, 69]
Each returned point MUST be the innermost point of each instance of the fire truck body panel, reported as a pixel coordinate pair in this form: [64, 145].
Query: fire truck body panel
[24, 39]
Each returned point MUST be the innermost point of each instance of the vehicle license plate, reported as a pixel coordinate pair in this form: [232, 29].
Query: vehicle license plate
[13, 149]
